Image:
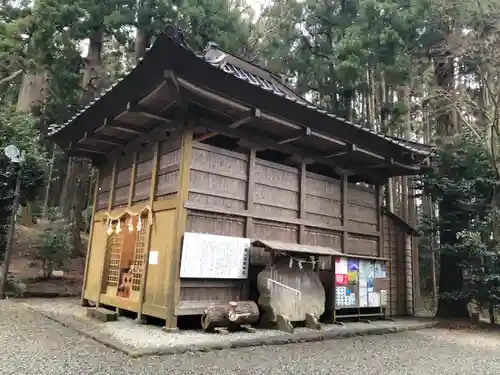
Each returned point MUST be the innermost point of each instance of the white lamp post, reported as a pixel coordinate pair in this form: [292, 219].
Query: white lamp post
[16, 157]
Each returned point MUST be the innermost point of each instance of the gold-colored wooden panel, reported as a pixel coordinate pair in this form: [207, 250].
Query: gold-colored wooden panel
[98, 247]
[162, 236]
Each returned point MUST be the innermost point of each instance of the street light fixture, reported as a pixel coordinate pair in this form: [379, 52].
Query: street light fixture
[16, 157]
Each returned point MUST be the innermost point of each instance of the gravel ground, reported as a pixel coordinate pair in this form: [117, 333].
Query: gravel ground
[32, 345]
[133, 337]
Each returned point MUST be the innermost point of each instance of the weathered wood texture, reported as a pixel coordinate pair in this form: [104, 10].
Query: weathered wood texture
[168, 169]
[394, 250]
[235, 194]
[227, 196]
[104, 186]
[219, 186]
[230, 315]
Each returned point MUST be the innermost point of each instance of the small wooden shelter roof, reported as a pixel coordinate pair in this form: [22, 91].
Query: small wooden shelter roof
[296, 248]
[234, 98]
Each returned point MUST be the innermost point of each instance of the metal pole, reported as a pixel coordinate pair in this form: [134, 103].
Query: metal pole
[47, 188]
[10, 235]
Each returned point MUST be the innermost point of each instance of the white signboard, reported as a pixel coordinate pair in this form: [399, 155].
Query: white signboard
[207, 256]
[153, 257]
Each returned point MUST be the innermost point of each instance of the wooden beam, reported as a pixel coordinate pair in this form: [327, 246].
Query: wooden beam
[249, 225]
[272, 144]
[144, 111]
[101, 138]
[344, 208]
[302, 202]
[349, 148]
[147, 244]
[157, 132]
[250, 191]
[91, 234]
[173, 282]
[121, 126]
[110, 205]
[153, 93]
[205, 136]
[197, 90]
[171, 77]
[84, 150]
[380, 226]
[305, 132]
[288, 220]
[132, 180]
[253, 115]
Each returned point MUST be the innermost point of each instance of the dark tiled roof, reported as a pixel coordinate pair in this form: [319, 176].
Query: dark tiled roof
[261, 78]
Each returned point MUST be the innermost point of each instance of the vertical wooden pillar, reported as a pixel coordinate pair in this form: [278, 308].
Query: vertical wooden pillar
[302, 202]
[250, 192]
[110, 204]
[249, 207]
[344, 193]
[83, 301]
[174, 258]
[132, 180]
[150, 228]
[380, 227]
[408, 273]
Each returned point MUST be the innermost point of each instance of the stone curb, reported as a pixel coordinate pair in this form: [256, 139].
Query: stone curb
[283, 339]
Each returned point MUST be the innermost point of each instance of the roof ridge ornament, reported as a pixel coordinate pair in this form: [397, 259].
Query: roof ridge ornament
[213, 55]
[174, 33]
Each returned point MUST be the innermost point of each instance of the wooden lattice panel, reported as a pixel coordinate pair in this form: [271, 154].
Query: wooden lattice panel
[113, 255]
[139, 254]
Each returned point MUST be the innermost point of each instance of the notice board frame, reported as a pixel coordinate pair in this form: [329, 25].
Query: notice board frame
[356, 310]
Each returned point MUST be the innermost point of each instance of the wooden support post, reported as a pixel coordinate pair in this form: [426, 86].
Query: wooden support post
[132, 180]
[145, 265]
[380, 227]
[173, 282]
[408, 274]
[302, 202]
[249, 207]
[345, 236]
[250, 191]
[110, 204]
[83, 301]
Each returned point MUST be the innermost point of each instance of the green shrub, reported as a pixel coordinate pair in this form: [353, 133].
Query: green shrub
[54, 249]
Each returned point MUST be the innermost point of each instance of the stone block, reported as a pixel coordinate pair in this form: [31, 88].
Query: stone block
[101, 314]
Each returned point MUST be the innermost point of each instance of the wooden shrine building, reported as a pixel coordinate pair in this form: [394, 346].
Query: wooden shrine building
[209, 143]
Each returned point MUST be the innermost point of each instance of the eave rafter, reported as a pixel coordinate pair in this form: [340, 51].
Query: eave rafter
[261, 141]
[134, 134]
[298, 131]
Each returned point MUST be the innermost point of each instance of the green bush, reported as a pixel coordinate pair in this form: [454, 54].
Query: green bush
[54, 249]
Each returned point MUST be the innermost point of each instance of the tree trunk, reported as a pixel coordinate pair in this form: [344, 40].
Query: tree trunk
[72, 197]
[450, 272]
[33, 91]
[429, 212]
[142, 41]
[93, 70]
